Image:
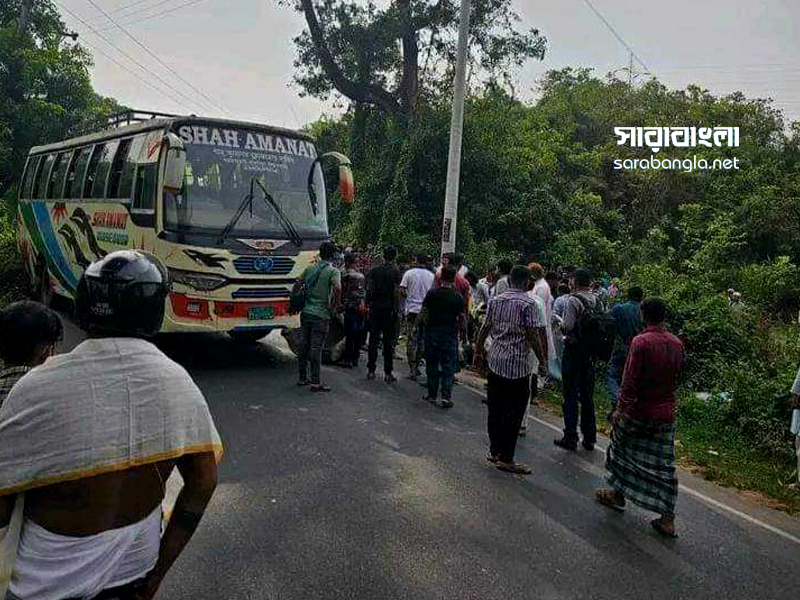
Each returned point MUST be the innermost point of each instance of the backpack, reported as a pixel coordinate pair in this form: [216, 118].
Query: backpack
[299, 295]
[595, 330]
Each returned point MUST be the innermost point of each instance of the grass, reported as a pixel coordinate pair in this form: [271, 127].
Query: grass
[715, 455]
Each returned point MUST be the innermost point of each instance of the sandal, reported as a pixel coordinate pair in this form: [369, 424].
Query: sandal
[492, 458]
[608, 498]
[319, 388]
[514, 467]
[659, 527]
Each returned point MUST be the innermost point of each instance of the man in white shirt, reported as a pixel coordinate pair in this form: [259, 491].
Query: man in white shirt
[485, 288]
[541, 289]
[503, 269]
[414, 286]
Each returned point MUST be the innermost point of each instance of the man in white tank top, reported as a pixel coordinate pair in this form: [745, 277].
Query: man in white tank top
[87, 442]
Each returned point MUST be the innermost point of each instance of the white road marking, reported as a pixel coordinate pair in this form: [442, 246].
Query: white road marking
[691, 491]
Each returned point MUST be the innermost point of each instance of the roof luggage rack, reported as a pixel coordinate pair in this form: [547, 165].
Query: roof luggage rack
[136, 116]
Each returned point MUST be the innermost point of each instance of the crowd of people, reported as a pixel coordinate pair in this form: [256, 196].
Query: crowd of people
[83, 473]
[523, 327]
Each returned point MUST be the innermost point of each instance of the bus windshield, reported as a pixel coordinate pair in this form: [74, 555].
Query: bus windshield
[221, 163]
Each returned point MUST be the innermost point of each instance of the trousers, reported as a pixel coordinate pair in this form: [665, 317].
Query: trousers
[353, 334]
[616, 364]
[441, 361]
[578, 387]
[507, 400]
[314, 332]
[414, 347]
[382, 325]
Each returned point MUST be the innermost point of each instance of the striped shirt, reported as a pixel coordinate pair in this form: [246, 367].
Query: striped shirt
[510, 317]
[8, 377]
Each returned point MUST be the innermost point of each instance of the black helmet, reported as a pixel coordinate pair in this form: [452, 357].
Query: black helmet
[123, 293]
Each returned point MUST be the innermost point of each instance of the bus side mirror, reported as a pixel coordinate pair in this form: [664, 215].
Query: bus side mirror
[174, 164]
[347, 187]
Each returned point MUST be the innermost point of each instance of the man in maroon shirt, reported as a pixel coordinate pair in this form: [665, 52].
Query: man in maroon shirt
[641, 458]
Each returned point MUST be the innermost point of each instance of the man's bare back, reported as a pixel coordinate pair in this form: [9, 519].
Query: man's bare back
[90, 506]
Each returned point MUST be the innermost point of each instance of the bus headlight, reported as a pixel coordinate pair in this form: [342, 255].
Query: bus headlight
[199, 281]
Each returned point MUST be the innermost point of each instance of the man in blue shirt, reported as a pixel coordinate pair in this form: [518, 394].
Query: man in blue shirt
[628, 319]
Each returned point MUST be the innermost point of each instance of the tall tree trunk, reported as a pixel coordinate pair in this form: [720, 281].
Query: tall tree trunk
[24, 15]
[358, 134]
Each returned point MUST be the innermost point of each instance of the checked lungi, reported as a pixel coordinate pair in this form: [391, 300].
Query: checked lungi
[641, 464]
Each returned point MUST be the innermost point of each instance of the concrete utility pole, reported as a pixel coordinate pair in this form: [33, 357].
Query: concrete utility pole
[456, 131]
[630, 71]
[24, 15]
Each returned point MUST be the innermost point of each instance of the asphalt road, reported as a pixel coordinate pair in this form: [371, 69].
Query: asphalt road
[368, 493]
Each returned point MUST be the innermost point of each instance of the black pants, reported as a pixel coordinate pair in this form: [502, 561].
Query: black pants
[382, 325]
[577, 374]
[441, 360]
[507, 399]
[353, 333]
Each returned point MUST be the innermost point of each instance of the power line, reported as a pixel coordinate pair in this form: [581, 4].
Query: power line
[131, 71]
[158, 14]
[168, 85]
[127, 8]
[616, 35]
[156, 57]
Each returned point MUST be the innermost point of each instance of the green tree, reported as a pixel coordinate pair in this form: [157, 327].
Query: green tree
[45, 90]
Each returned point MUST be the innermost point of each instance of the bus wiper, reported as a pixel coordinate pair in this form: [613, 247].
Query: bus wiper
[312, 189]
[246, 201]
[287, 225]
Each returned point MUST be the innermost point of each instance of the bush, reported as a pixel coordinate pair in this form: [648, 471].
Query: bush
[774, 287]
[13, 279]
[744, 361]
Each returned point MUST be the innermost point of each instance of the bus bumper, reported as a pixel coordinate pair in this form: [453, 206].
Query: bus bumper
[185, 313]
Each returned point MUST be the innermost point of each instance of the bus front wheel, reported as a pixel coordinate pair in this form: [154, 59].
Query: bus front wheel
[247, 337]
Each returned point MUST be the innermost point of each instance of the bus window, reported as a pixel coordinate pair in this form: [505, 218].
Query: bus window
[103, 168]
[75, 173]
[115, 176]
[144, 196]
[40, 187]
[30, 174]
[91, 171]
[129, 168]
[56, 184]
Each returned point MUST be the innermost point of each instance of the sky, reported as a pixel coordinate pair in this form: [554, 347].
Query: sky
[236, 56]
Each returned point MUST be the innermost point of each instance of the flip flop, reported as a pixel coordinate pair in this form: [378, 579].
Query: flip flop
[605, 498]
[515, 468]
[656, 524]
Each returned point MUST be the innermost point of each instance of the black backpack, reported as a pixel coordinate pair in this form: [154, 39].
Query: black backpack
[299, 295]
[595, 330]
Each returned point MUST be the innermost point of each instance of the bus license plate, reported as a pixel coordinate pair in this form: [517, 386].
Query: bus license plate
[260, 313]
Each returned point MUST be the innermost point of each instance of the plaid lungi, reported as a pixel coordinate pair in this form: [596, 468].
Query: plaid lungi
[641, 464]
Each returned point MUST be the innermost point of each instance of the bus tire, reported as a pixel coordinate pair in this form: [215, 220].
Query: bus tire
[247, 337]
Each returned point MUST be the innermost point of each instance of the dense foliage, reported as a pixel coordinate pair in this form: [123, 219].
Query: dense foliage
[45, 91]
[538, 181]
